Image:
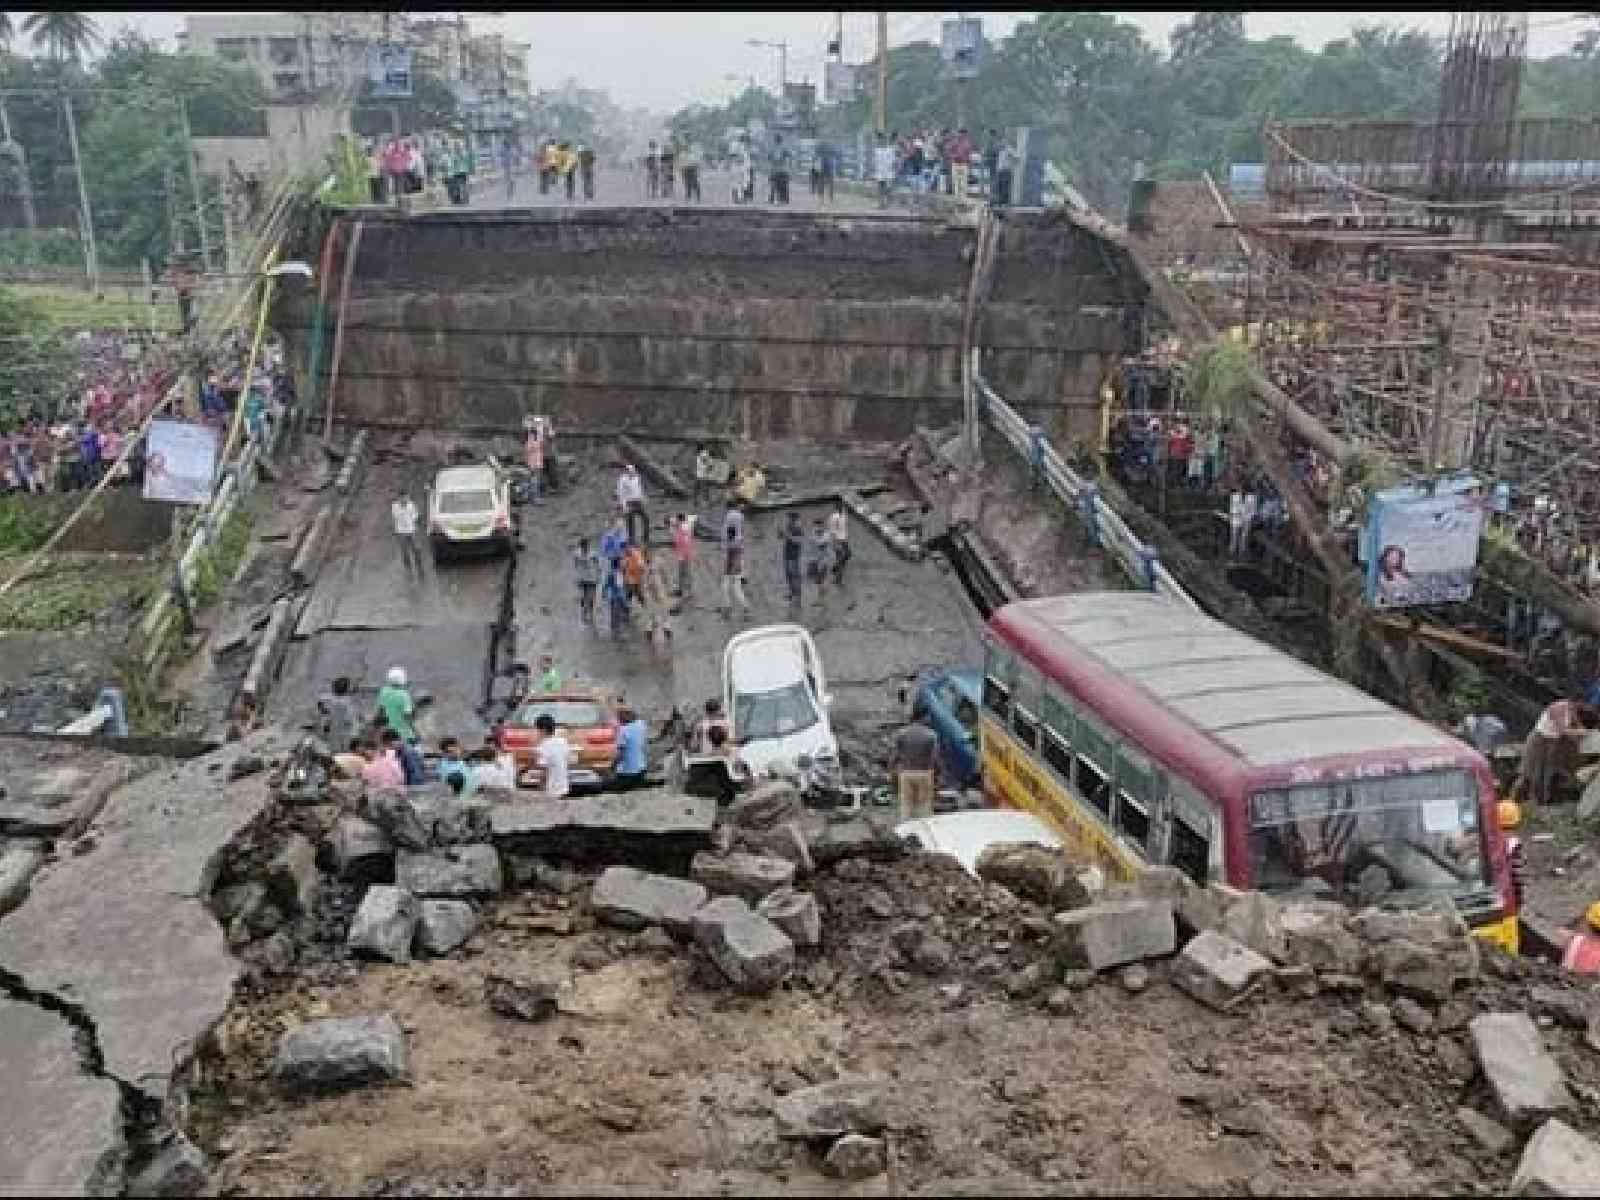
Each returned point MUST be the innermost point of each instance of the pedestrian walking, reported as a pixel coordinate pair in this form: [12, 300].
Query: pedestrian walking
[655, 599]
[821, 558]
[395, 706]
[633, 750]
[337, 722]
[616, 599]
[586, 169]
[839, 531]
[533, 456]
[551, 757]
[630, 496]
[683, 551]
[633, 571]
[794, 539]
[403, 512]
[883, 170]
[567, 167]
[733, 561]
[614, 541]
[703, 461]
[587, 564]
[652, 172]
[664, 165]
[692, 158]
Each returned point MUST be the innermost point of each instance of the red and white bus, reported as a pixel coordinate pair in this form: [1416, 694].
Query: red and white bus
[1148, 733]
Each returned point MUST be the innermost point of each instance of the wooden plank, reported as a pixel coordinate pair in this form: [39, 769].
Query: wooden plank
[1452, 637]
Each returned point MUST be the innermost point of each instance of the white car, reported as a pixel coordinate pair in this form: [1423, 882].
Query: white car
[774, 689]
[966, 835]
[469, 508]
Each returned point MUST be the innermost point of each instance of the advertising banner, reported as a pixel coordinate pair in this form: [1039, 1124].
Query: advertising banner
[1423, 549]
[180, 462]
[389, 71]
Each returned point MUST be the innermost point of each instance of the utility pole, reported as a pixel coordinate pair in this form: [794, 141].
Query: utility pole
[194, 186]
[961, 80]
[91, 250]
[883, 72]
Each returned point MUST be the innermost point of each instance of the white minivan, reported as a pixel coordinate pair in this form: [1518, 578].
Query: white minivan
[774, 690]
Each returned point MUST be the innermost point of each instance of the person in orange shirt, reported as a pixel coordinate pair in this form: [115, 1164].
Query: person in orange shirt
[633, 566]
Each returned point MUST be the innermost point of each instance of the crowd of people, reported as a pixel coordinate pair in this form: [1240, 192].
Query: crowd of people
[929, 162]
[403, 166]
[122, 379]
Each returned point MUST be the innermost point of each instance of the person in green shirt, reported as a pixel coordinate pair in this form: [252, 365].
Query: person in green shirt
[549, 677]
[394, 701]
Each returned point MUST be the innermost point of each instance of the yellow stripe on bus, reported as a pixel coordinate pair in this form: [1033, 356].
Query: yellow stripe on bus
[1016, 780]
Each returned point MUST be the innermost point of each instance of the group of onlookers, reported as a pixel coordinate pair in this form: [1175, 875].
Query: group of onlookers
[942, 162]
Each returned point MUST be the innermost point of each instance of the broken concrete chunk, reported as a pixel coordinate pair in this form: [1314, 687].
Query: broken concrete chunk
[239, 900]
[772, 803]
[1557, 1161]
[643, 828]
[1196, 908]
[1317, 934]
[786, 841]
[442, 925]
[178, 1168]
[857, 837]
[1113, 932]
[1215, 969]
[748, 876]
[1038, 873]
[1256, 921]
[450, 871]
[856, 1156]
[833, 1109]
[341, 1052]
[1408, 1014]
[385, 924]
[524, 999]
[362, 851]
[293, 878]
[631, 899]
[795, 913]
[392, 810]
[753, 953]
[18, 863]
[1524, 1079]
[1423, 972]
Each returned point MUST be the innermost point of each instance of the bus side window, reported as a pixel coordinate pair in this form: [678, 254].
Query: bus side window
[1024, 706]
[997, 676]
[1093, 763]
[1136, 796]
[1189, 830]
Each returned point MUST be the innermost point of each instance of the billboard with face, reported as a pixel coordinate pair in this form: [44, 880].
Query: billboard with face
[1423, 549]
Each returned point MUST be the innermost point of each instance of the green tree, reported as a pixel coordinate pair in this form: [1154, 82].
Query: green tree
[35, 364]
[64, 36]
[1210, 31]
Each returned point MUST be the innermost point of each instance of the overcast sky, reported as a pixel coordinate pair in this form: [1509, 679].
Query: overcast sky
[665, 60]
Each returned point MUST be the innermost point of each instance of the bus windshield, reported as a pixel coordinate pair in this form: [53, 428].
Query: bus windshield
[1367, 840]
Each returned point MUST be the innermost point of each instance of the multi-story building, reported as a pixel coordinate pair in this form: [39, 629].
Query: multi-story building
[294, 53]
[441, 48]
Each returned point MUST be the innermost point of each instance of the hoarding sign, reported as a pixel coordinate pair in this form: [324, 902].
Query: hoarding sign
[961, 47]
[389, 71]
[180, 462]
[1423, 549]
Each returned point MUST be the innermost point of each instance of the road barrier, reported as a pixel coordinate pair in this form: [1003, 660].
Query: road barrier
[1140, 562]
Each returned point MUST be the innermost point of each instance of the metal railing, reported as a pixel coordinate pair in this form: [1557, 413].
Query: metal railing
[1110, 531]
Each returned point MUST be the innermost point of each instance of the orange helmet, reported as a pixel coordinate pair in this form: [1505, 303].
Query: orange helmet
[1508, 813]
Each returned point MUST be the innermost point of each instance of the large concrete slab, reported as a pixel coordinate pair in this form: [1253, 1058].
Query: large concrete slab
[60, 1127]
[638, 828]
[123, 931]
[54, 788]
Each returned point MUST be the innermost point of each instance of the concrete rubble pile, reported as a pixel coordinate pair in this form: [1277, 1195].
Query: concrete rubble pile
[769, 893]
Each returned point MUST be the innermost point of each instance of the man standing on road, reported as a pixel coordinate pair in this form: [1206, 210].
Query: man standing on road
[691, 172]
[549, 678]
[633, 750]
[960, 163]
[664, 166]
[586, 169]
[533, 456]
[839, 531]
[338, 717]
[551, 759]
[883, 168]
[794, 540]
[404, 514]
[394, 702]
[683, 551]
[914, 765]
[614, 542]
[587, 563]
[652, 171]
[733, 560]
[630, 495]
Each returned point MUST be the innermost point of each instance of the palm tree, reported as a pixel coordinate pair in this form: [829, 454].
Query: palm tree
[64, 35]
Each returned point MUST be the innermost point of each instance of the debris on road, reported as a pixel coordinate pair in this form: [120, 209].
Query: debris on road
[341, 1052]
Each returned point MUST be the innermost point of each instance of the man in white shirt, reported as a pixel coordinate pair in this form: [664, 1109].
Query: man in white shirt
[404, 514]
[551, 759]
[630, 496]
[883, 171]
[839, 532]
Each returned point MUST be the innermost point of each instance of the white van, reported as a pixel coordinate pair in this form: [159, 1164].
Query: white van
[469, 508]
